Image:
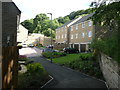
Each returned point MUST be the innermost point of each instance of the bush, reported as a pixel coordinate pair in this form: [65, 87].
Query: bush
[54, 54]
[35, 77]
[86, 56]
[35, 68]
[86, 63]
[22, 58]
[107, 46]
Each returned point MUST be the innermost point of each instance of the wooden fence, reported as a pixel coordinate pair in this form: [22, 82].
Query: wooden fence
[9, 67]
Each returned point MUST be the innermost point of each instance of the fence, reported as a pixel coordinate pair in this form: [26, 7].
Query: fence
[9, 67]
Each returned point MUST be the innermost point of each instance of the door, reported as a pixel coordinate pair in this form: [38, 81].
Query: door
[82, 47]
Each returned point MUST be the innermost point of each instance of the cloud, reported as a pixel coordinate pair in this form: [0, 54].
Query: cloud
[57, 7]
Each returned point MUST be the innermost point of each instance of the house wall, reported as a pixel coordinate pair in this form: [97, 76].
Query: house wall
[22, 34]
[61, 35]
[10, 15]
[76, 35]
[0, 45]
[110, 69]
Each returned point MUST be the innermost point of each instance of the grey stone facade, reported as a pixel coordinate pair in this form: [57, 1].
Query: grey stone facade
[110, 69]
[10, 16]
[9, 19]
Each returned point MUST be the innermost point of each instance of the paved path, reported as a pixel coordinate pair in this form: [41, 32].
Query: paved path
[67, 78]
[30, 52]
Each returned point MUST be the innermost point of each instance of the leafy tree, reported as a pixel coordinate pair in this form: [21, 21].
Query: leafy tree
[28, 24]
[108, 15]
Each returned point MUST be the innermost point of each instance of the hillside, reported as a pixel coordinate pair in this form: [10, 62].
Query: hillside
[41, 23]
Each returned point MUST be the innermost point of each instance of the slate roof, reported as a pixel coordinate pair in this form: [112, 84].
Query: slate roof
[84, 18]
[66, 24]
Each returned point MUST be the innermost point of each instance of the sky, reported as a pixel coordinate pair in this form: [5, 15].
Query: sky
[30, 8]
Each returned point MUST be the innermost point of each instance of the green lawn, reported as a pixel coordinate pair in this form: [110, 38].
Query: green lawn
[67, 58]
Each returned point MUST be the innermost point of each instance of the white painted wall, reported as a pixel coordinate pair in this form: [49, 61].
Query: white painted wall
[22, 34]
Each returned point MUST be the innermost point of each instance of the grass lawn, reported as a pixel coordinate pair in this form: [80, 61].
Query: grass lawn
[66, 59]
[84, 62]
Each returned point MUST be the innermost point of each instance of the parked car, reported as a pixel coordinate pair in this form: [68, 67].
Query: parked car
[49, 46]
[49, 50]
[70, 50]
[30, 45]
[24, 45]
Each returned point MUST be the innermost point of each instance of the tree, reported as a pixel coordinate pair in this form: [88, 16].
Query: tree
[28, 24]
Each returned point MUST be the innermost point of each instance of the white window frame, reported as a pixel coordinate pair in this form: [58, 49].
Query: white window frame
[65, 35]
[76, 26]
[71, 28]
[90, 23]
[90, 34]
[62, 35]
[76, 36]
[71, 36]
[83, 35]
[83, 24]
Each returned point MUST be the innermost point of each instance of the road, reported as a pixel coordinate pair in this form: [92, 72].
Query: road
[63, 77]
[30, 52]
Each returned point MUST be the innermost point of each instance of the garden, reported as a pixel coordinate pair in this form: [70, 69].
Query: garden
[35, 76]
[83, 62]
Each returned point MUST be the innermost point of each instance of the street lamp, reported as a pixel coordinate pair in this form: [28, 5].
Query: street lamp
[51, 36]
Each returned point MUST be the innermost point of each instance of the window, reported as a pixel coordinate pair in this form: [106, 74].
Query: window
[83, 35]
[90, 34]
[71, 28]
[76, 35]
[76, 26]
[71, 36]
[59, 37]
[90, 23]
[83, 25]
[65, 35]
[62, 36]
[65, 28]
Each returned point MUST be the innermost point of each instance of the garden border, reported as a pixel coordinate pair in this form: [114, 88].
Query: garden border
[47, 81]
[81, 72]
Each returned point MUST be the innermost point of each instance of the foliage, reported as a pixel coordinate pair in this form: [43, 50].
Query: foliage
[22, 58]
[28, 24]
[35, 77]
[75, 61]
[66, 59]
[108, 16]
[108, 46]
[86, 56]
[35, 68]
[54, 54]
[42, 23]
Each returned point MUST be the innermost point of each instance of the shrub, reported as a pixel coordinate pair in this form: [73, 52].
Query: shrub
[87, 67]
[35, 77]
[22, 58]
[86, 56]
[54, 54]
[35, 68]
[107, 46]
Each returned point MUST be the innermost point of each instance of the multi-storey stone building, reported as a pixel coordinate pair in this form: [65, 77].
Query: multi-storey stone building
[63, 34]
[77, 33]
[82, 33]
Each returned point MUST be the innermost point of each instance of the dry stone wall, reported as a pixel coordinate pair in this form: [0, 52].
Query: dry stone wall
[110, 69]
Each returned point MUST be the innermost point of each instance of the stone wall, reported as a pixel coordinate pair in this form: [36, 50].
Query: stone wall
[110, 69]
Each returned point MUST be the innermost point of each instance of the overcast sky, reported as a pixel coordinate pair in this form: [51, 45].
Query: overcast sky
[30, 8]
